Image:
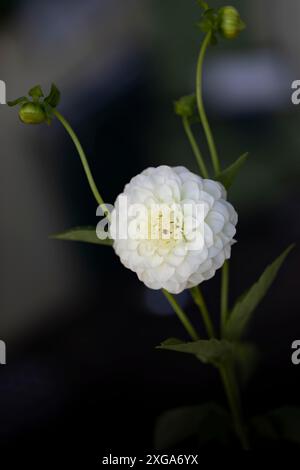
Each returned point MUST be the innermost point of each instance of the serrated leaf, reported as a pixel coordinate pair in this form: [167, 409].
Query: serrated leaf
[82, 234]
[208, 422]
[228, 176]
[243, 309]
[20, 100]
[211, 351]
[53, 98]
[282, 423]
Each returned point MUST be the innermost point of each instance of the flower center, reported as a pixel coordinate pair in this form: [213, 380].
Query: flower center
[166, 224]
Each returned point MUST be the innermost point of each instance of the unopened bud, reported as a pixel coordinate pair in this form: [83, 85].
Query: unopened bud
[32, 113]
[185, 106]
[230, 23]
[36, 110]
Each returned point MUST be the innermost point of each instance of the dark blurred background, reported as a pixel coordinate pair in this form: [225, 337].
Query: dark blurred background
[82, 375]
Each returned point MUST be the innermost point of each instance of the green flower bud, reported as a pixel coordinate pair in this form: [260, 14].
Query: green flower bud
[185, 106]
[230, 23]
[32, 113]
[37, 110]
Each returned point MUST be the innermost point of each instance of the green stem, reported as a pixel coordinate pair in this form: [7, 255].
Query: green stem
[83, 159]
[202, 113]
[200, 302]
[224, 294]
[195, 147]
[233, 397]
[181, 315]
[227, 376]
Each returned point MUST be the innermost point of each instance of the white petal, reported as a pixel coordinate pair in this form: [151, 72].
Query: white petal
[190, 190]
[216, 221]
[164, 272]
[164, 193]
[213, 188]
[229, 230]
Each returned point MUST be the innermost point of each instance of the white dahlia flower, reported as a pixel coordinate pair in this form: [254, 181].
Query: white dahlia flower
[173, 228]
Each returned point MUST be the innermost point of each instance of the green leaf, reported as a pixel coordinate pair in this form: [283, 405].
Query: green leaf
[82, 234]
[243, 309]
[210, 351]
[207, 422]
[218, 352]
[282, 423]
[36, 92]
[20, 100]
[228, 176]
[53, 98]
[170, 342]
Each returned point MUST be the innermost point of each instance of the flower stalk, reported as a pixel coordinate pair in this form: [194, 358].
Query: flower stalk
[200, 302]
[233, 397]
[195, 147]
[200, 104]
[181, 315]
[224, 294]
[83, 159]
